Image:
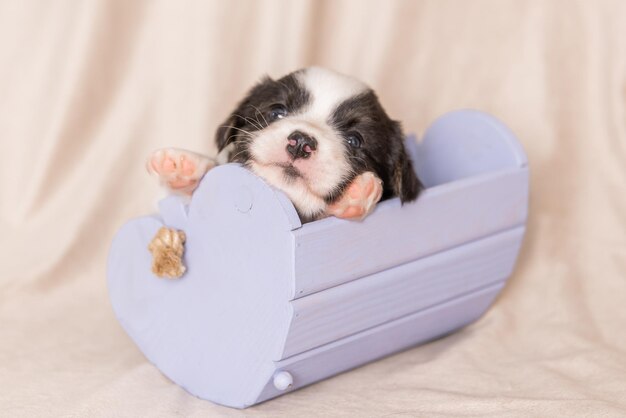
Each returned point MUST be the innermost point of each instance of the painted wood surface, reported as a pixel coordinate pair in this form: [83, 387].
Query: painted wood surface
[267, 302]
[356, 350]
[466, 143]
[444, 216]
[215, 331]
[360, 304]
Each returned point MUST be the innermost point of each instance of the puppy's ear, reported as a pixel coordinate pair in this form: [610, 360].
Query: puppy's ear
[233, 126]
[404, 181]
[236, 122]
[227, 130]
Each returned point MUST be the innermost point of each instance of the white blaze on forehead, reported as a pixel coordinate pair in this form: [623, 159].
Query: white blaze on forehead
[328, 90]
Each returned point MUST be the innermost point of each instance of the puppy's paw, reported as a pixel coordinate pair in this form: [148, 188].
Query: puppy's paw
[179, 170]
[359, 199]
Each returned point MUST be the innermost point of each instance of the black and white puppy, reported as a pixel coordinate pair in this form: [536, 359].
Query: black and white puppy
[321, 137]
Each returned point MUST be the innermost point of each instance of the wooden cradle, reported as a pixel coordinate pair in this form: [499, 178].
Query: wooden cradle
[269, 305]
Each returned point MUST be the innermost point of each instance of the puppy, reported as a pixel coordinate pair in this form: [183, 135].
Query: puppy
[321, 137]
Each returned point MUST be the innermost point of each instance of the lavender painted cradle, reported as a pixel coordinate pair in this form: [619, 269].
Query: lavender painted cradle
[268, 305]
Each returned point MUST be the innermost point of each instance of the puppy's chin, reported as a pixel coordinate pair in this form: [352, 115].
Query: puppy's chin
[289, 179]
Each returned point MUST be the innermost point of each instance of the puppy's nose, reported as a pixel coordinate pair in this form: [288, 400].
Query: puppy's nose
[301, 145]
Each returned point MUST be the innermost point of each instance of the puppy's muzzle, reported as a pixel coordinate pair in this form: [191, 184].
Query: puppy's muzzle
[300, 145]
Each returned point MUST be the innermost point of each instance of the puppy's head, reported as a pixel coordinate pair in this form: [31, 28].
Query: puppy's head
[311, 132]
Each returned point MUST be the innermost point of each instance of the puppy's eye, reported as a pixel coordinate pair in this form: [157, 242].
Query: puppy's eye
[354, 139]
[277, 111]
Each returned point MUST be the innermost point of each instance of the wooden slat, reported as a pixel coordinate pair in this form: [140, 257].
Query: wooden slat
[391, 337]
[347, 309]
[334, 251]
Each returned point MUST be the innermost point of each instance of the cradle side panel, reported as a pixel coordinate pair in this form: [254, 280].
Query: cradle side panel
[132, 292]
[443, 217]
[217, 330]
[173, 210]
[343, 310]
[391, 337]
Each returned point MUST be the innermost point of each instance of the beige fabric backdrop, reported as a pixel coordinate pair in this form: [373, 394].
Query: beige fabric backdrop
[89, 88]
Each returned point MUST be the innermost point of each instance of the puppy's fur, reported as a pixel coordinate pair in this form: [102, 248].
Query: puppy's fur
[341, 131]
[321, 137]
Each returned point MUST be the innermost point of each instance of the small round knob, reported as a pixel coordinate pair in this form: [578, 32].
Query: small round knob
[283, 380]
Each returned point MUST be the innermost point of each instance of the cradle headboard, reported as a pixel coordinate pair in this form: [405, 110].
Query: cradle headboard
[466, 143]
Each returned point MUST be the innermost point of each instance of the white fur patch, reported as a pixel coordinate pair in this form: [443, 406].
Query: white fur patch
[328, 165]
[328, 89]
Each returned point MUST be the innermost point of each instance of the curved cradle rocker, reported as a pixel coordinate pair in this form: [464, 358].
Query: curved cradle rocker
[268, 305]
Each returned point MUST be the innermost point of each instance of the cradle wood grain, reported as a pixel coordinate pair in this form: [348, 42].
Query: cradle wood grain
[443, 217]
[380, 341]
[352, 307]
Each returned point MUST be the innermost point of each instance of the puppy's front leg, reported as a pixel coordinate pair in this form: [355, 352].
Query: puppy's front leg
[359, 199]
[179, 170]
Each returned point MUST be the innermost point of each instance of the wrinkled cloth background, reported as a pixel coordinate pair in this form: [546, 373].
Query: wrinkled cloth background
[89, 88]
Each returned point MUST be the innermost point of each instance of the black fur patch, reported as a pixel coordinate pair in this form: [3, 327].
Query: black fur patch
[252, 113]
[382, 149]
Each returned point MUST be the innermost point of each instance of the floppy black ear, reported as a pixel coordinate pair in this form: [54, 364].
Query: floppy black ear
[234, 125]
[227, 131]
[237, 121]
[404, 181]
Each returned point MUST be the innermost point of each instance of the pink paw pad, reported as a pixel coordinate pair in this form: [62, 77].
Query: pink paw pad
[179, 170]
[359, 199]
